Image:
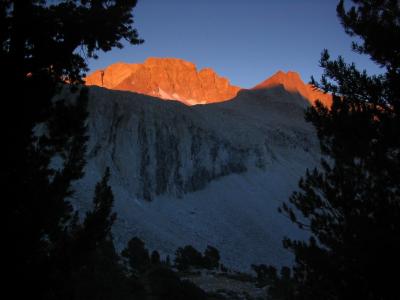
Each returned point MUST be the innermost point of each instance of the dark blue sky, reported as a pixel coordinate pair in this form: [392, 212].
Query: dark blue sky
[245, 41]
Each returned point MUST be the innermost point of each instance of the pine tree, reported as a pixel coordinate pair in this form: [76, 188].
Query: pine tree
[211, 258]
[137, 255]
[155, 258]
[85, 262]
[43, 45]
[100, 274]
[351, 205]
[187, 257]
[96, 227]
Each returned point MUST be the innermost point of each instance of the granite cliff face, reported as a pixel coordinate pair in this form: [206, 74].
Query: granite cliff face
[177, 79]
[291, 82]
[199, 174]
[166, 78]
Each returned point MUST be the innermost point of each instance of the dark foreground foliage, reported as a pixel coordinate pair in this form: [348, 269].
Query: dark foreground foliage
[50, 253]
[188, 256]
[351, 205]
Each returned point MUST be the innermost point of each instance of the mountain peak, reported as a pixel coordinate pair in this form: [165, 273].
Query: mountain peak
[177, 79]
[166, 78]
[289, 80]
[292, 82]
[169, 61]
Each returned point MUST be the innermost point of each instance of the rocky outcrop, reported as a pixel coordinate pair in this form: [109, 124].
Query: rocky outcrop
[166, 78]
[291, 82]
[215, 174]
[177, 79]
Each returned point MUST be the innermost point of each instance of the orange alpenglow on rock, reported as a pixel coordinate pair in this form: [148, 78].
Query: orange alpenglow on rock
[291, 82]
[166, 78]
[177, 79]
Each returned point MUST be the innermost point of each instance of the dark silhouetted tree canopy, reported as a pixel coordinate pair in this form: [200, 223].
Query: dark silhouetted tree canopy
[351, 205]
[211, 258]
[137, 256]
[166, 284]
[187, 257]
[155, 258]
[43, 46]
